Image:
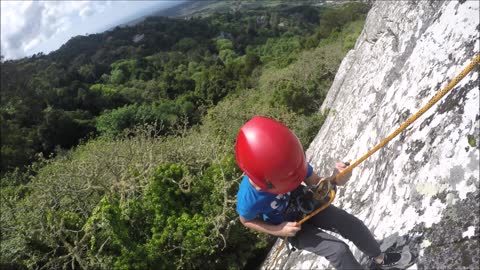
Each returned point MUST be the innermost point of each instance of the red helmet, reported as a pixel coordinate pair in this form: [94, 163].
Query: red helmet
[270, 155]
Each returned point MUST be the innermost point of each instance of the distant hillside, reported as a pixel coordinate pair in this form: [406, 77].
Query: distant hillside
[190, 9]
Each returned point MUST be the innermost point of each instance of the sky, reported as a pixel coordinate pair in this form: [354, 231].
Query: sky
[29, 27]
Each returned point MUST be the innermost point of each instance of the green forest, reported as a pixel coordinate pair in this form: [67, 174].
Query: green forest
[117, 148]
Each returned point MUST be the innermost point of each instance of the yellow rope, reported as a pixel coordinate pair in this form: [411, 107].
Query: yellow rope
[414, 117]
[402, 127]
[332, 197]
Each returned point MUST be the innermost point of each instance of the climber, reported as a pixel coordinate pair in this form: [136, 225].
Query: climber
[274, 164]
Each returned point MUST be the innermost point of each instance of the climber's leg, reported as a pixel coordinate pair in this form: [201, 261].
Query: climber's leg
[323, 244]
[349, 227]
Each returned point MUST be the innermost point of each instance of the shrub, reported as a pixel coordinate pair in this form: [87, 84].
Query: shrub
[132, 203]
[165, 114]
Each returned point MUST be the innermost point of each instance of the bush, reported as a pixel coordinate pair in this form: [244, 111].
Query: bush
[336, 23]
[132, 203]
[302, 86]
[279, 52]
[165, 114]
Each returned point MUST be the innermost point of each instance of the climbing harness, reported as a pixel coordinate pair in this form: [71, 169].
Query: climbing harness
[331, 198]
[306, 199]
[402, 127]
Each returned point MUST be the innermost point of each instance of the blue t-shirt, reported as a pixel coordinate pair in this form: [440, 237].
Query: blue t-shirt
[252, 203]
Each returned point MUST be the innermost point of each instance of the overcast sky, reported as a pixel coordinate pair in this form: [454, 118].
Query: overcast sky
[43, 26]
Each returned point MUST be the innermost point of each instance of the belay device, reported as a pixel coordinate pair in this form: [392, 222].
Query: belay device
[307, 199]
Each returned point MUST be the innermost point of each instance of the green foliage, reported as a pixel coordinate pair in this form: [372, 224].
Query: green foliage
[166, 113]
[227, 56]
[157, 190]
[203, 59]
[292, 96]
[87, 72]
[63, 128]
[17, 143]
[336, 20]
[279, 52]
[185, 44]
[347, 36]
[302, 86]
[118, 76]
[120, 210]
[224, 44]
[213, 84]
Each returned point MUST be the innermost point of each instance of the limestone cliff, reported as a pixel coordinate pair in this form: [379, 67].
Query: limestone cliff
[421, 191]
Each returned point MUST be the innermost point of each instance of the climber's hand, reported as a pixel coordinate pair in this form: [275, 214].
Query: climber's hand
[339, 167]
[287, 229]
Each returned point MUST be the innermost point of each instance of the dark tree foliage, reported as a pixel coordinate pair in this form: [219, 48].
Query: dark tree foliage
[159, 58]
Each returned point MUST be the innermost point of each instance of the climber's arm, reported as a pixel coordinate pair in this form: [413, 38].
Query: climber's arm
[285, 229]
[339, 166]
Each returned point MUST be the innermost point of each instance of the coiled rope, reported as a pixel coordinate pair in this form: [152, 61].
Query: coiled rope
[402, 127]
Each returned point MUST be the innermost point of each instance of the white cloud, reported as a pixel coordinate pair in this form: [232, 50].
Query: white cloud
[24, 25]
[42, 26]
[86, 12]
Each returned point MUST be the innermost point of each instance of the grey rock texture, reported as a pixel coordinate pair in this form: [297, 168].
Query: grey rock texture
[421, 191]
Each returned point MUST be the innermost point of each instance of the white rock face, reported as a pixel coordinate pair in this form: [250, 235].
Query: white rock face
[423, 186]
